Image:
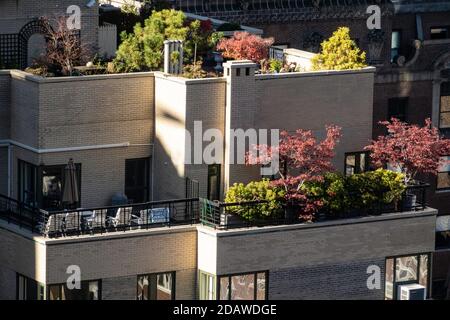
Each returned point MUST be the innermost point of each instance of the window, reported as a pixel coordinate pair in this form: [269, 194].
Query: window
[444, 111]
[90, 290]
[52, 182]
[207, 286]
[238, 72]
[137, 180]
[158, 286]
[443, 176]
[397, 108]
[439, 33]
[356, 162]
[250, 286]
[406, 270]
[27, 183]
[396, 39]
[29, 289]
[214, 182]
[247, 71]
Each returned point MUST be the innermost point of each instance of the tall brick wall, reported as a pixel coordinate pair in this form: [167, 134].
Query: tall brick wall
[84, 112]
[313, 100]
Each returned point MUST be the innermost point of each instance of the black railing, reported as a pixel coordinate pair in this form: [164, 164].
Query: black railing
[20, 214]
[221, 215]
[99, 220]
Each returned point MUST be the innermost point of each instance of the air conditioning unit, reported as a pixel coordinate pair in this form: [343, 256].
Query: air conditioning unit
[411, 292]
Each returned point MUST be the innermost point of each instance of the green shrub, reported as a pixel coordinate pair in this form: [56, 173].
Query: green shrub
[363, 191]
[375, 188]
[339, 52]
[256, 190]
[331, 192]
[275, 65]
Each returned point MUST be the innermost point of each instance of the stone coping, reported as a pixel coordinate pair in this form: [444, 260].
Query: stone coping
[330, 223]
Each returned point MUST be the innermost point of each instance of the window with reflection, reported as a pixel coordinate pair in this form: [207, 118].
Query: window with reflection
[356, 162]
[207, 286]
[89, 290]
[443, 176]
[444, 111]
[406, 270]
[249, 286]
[158, 286]
[29, 289]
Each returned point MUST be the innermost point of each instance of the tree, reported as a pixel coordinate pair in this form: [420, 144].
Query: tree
[410, 148]
[245, 46]
[64, 47]
[302, 159]
[144, 48]
[339, 52]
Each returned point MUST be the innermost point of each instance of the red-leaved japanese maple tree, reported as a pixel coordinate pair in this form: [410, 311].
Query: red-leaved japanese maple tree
[245, 46]
[410, 148]
[302, 159]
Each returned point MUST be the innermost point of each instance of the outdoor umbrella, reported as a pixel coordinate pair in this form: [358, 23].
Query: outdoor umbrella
[70, 189]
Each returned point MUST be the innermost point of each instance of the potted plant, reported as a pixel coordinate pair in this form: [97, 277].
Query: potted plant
[411, 150]
[303, 160]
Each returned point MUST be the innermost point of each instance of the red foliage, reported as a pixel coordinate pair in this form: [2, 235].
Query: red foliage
[302, 159]
[410, 148]
[245, 46]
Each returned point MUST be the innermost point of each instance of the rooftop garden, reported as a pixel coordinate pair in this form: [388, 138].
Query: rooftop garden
[204, 48]
[306, 188]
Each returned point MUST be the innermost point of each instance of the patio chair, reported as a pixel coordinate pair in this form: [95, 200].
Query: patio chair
[72, 222]
[94, 219]
[122, 217]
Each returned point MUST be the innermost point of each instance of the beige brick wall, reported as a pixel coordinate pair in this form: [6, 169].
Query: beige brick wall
[79, 112]
[19, 253]
[119, 257]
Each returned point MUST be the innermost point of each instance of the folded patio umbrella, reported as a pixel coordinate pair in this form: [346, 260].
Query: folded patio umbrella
[70, 189]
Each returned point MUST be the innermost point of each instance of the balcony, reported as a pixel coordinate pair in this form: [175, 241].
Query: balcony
[218, 215]
[76, 222]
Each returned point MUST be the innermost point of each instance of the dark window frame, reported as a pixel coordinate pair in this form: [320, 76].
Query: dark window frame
[20, 166]
[444, 92]
[173, 289]
[218, 169]
[60, 167]
[398, 102]
[254, 273]
[146, 187]
[396, 50]
[437, 179]
[37, 286]
[357, 155]
[446, 32]
[395, 284]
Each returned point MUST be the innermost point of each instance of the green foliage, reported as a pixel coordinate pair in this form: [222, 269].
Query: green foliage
[194, 71]
[256, 190]
[339, 52]
[376, 187]
[275, 65]
[339, 194]
[143, 49]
